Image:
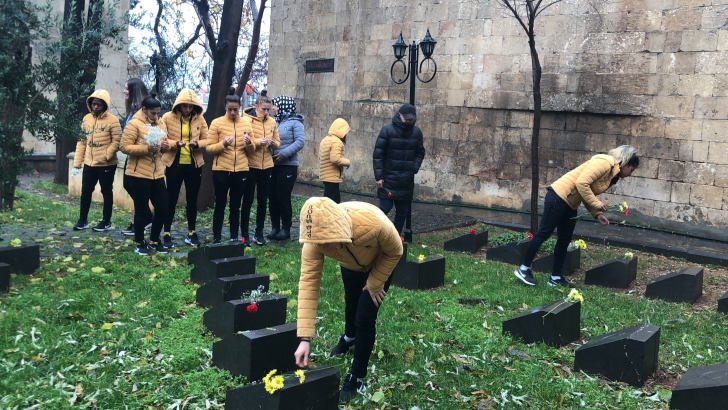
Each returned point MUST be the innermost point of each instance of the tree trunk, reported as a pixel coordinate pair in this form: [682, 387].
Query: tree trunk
[536, 70]
[13, 158]
[253, 50]
[223, 70]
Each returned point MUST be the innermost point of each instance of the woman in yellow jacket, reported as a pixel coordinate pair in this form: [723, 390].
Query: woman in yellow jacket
[580, 185]
[230, 143]
[332, 160]
[145, 142]
[367, 246]
[97, 153]
[265, 136]
[187, 135]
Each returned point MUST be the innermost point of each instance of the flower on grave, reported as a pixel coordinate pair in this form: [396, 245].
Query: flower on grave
[574, 296]
[242, 239]
[252, 308]
[421, 258]
[628, 255]
[529, 236]
[273, 383]
[402, 238]
[301, 377]
[577, 244]
[472, 232]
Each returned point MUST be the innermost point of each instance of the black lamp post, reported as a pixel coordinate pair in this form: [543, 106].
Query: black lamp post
[412, 71]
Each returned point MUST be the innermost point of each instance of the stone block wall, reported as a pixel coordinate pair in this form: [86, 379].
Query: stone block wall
[649, 73]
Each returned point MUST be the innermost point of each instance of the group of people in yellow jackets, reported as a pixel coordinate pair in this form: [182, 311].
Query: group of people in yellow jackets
[245, 149]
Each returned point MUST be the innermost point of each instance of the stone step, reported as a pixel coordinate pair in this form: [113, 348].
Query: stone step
[206, 271]
[220, 290]
[228, 318]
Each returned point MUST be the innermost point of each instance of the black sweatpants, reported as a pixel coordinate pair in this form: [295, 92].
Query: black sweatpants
[331, 191]
[260, 179]
[557, 214]
[224, 182]
[143, 191]
[402, 207]
[105, 177]
[281, 186]
[126, 184]
[361, 317]
[191, 176]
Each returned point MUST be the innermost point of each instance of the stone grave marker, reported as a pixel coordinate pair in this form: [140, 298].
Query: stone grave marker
[417, 275]
[22, 259]
[471, 242]
[229, 288]
[206, 271]
[618, 273]
[254, 353]
[215, 251]
[571, 263]
[723, 303]
[4, 277]
[402, 260]
[228, 318]
[702, 388]
[628, 355]
[555, 324]
[319, 391]
[510, 253]
[683, 286]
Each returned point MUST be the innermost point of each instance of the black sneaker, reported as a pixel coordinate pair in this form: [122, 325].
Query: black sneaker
[80, 226]
[234, 240]
[216, 240]
[160, 248]
[283, 235]
[342, 347]
[103, 226]
[258, 238]
[526, 276]
[561, 282]
[273, 232]
[148, 226]
[167, 241]
[142, 249]
[352, 386]
[192, 240]
[129, 231]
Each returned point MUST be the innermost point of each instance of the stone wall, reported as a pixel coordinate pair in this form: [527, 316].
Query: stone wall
[649, 73]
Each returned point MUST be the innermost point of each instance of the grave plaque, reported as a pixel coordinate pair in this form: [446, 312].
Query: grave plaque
[416, 275]
[471, 242]
[22, 259]
[4, 277]
[229, 288]
[571, 263]
[555, 324]
[216, 251]
[683, 286]
[510, 253]
[228, 318]
[618, 273]
[206, 271]
[702, 388]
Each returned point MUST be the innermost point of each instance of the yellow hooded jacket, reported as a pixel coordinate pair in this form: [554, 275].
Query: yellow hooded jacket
[234, 158]
[331, 153]
[198, 128]
[368, 243]
[263, 127]
[103, 134]
[142, 164]
[585, 182]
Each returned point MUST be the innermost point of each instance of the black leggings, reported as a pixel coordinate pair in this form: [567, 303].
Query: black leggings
[281, 186]
[331, 191]
[557, 214]
[259, 178]
[143, 191]
[235, 183]
[105, 177]
[191, 176]
[126, 184]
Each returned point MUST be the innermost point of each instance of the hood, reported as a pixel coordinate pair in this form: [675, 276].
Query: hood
[339, 128]
[102, 95]
[397, 122]
[612, 162]
[187, 96]
[323, 221]
[293, 117]
[250, 112]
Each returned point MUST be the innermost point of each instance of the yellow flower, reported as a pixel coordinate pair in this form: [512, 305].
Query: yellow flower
[628, 255]
[624, 204]
[271, 386]
[300, 375]
[421, 258]
[621, 208]
[575, 296]
[581, 244]
[277, 382]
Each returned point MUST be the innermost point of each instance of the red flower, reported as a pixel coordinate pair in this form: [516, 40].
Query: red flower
[402, 238]
[252, 308]
[529, 236]
[472, 231]
[242, 239]
[390, 195]
[626, 212]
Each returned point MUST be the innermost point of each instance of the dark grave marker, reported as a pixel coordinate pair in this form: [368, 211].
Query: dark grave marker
[22, 259]
[628, 355]
[416, 275]
[511, 253]
[402, 261]
[571, 263]
[4, 276]
[206, 271]
[685, 285]
[555, 324]
[254, 353]
[320, 391]
[702, 388]
[618, 273]
[215, 251]
[229, 288]
[471, 242]
[228, 318]
[723, 303]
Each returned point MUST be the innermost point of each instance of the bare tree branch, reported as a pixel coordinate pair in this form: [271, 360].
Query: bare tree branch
[547, 6]
[202, 7]
[189, 43]
[157, 34]
[512, 8]
[252, 51]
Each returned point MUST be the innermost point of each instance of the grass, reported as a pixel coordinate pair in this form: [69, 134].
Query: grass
[130, 335]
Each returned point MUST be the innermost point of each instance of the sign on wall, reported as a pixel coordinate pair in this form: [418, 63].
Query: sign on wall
[320, 66]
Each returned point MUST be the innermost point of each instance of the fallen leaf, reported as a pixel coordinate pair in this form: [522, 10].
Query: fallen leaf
[97, 269]
[71, 269]
[377, 397]
[409, 354]
[107, 326]
[16, 242]
[114, 294]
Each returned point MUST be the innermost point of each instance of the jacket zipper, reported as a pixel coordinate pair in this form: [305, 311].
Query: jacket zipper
[235, 147]
[355, 259]
[262, 158]
[93, 132]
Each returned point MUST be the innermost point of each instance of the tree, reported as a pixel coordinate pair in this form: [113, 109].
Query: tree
[525, 12]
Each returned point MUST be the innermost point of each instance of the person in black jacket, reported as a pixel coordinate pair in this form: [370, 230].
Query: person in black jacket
[398, 155]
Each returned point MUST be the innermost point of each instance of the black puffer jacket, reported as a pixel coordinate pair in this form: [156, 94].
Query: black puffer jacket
[398, 154]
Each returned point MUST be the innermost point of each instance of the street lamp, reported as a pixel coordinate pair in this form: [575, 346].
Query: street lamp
[412, 71]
